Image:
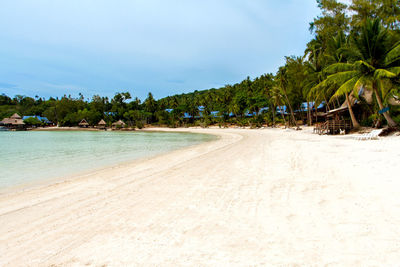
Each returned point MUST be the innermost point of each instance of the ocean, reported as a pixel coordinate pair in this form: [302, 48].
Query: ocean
[28, 157]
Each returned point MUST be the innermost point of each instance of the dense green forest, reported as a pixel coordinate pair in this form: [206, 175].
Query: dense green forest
[355, 51]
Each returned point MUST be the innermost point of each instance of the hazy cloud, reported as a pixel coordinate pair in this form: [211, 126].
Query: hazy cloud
[166, 47]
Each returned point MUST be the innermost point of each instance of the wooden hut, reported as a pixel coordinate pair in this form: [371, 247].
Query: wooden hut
[14, 122]
[83, 124]
[336, 120]
[118, 124]
[5, 121]
[102, 124]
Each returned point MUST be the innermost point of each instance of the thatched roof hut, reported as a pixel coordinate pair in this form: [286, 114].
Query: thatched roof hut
[83, 123]
[17, 122]
[15, 116]
[102, 124]
[119, 123]
[13, 121]
[5, 121]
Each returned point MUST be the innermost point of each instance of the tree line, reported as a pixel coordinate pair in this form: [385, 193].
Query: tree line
[355, 51]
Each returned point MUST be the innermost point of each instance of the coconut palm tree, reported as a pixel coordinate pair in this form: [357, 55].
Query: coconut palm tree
[373, 63]
[277, 100]
[282, 84]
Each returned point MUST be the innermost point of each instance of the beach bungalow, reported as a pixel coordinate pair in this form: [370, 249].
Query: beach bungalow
[336, 120]
[118, 124]
[281, 110]
[83, 124]
[102, 124]
[14, 122]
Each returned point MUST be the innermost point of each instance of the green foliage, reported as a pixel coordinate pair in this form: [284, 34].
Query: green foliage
[7, 110]
[369, 121]
[33, 121]
[397, 119]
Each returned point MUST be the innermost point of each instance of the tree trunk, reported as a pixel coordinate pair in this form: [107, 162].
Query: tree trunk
[328, 108]
[337, 101]
[291, 110]
[309, 114]
[356, 125]
[283, 116]
[386, 114]
[273, 116]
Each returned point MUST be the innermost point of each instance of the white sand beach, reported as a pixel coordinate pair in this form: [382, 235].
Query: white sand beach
[253, 197]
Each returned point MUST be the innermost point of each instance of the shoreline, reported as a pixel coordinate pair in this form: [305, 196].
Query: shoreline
[40, 183]
[252, 197]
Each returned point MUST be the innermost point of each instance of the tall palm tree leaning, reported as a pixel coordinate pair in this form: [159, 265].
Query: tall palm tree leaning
[282, 83]
[373, 63]
[277, 102]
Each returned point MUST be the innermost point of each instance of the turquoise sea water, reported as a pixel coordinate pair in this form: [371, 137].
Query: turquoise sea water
[27, 157]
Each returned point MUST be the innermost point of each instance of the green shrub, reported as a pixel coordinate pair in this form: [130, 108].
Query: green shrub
[397, 119]
[33, 121]
[368, 122]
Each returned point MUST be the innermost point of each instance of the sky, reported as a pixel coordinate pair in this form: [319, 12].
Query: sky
[54, 47]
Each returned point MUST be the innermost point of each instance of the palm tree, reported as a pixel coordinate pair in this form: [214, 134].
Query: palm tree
[374, 63]
[322, 90]
[282, 84]
[277, 101]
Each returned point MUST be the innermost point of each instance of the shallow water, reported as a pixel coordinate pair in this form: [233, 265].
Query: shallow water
[26, 157]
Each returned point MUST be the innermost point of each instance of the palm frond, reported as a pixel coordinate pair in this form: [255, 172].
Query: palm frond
[339, 67]
[383, 74]
[393, 55]
[345, 88]
[395, 70]
[341, 77]
[386, 87]
[362, 65]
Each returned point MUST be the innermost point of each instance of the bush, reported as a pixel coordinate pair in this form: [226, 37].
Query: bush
[368, 122]
[33, 121]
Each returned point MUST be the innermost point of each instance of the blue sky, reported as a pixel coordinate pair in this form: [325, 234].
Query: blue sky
[51, 48]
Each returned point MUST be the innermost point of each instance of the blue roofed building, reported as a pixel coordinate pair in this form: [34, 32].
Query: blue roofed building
[281, 110]
[110, 113]
[187, 116]
[250, 114]
[321, 106]
[215, 114]
[263, 110]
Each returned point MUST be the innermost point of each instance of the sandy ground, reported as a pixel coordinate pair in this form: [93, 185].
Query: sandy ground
[254, 197]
